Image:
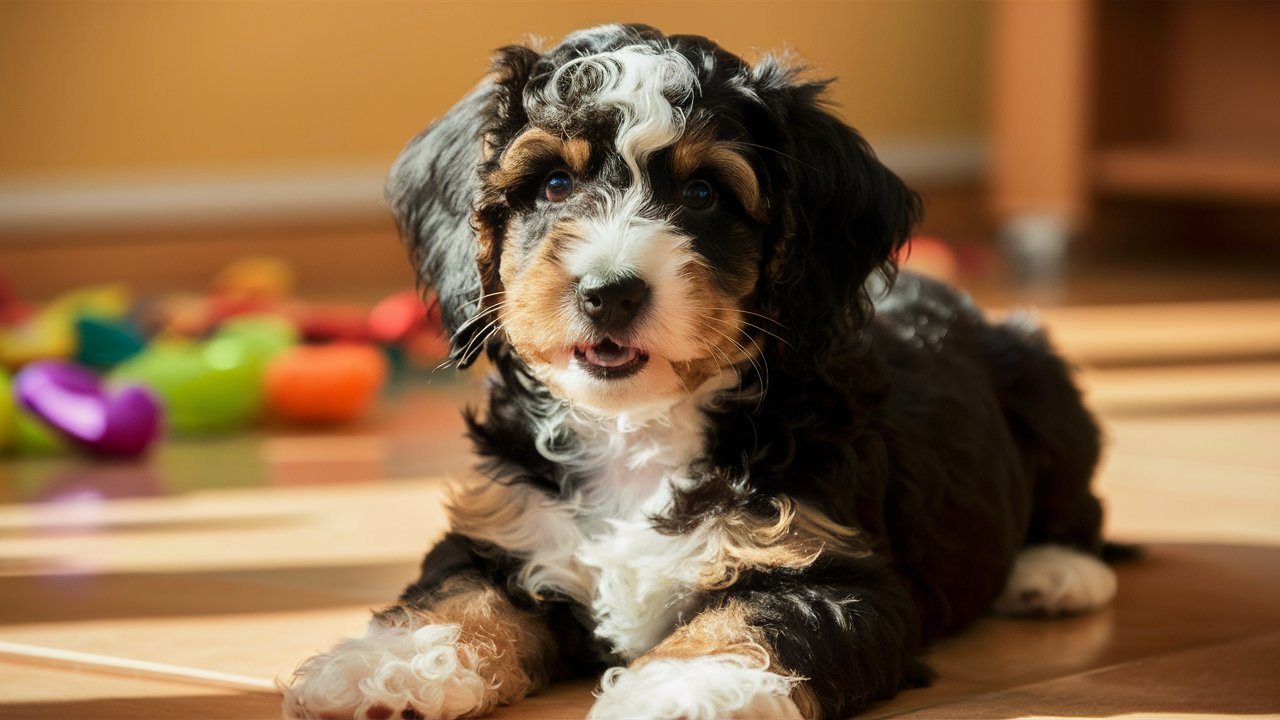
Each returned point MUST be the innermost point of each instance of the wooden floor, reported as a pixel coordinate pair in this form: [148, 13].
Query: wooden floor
[237, 557]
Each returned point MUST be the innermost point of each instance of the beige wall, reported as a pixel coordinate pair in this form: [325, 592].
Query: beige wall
[179, 89]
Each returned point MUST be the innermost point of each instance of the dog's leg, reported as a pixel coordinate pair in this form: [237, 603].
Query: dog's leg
[1059, 571]
[718, 665]
[797, 649]
[458, 650]
[1049, 580]
[1057, 436]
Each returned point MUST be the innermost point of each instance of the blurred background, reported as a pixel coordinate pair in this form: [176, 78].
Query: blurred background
[191, 202]
[154, 142]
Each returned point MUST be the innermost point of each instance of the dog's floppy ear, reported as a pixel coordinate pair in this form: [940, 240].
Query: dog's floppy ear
[433, 189]
[843, 214]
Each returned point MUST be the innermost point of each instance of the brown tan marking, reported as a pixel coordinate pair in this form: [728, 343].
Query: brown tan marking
[720, 333]
[534, 316]
[513, 648]
[794, 540]
[698, 150]
[728, 630]
[536, 147]
[487, 261]
[812, 522]
[577, 153]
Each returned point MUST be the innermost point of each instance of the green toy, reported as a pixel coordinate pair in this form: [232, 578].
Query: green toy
[8, 411]
[205, 387]
[265, 336]
[20, 431]
[33, 437]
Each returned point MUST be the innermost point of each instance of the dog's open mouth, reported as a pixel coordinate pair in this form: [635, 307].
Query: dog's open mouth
[610, 361]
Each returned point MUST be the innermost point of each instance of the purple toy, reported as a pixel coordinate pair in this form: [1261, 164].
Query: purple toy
[73, 400]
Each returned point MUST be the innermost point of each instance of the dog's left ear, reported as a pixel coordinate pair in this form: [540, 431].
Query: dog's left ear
[433, 189]
[843, 214]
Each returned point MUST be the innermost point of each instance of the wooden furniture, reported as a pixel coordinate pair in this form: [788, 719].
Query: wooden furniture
[1167, 105]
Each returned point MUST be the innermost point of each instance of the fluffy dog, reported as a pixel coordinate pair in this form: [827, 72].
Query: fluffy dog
[724, 453]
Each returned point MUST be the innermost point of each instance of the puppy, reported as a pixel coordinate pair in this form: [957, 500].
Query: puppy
[724, 454]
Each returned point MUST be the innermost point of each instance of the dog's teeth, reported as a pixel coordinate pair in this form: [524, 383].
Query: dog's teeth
[609, 354]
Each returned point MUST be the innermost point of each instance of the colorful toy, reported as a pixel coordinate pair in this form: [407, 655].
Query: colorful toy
[19, 431]
[215, 385]
[260, 278]
[8, 411]
[409, 328]
[33, 437]
[12, 309]
[103, 342]
[324, 383]
[178, 315]
[205, 387]
[265, 336]
[43, 336]
[397, 317]
[50, 333]
[193, 317]
[104, 301]
[72, 400]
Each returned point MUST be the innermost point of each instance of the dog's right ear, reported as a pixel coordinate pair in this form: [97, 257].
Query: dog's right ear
[433, 188]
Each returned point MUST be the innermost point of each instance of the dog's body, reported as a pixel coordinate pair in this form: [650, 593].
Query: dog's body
[717, 447]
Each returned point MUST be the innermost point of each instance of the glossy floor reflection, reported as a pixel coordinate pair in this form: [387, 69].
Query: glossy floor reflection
[244, 554]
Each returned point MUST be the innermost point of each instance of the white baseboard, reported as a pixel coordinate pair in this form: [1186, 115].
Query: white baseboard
[31, 209]
[50, 206]
[925, 161]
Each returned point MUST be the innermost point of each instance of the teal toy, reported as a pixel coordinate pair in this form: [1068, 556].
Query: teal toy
[104, 342]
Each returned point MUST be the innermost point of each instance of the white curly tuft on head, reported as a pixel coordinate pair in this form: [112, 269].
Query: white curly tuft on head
[651, 90]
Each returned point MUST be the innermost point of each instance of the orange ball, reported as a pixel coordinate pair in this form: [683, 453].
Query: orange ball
[324, 383]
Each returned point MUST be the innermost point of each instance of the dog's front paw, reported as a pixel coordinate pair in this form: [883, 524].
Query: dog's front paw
[707, 688]
[391, 672]
[1050, 580]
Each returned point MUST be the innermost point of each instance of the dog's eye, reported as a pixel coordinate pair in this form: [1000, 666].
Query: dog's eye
[557, 186]
[698, 195]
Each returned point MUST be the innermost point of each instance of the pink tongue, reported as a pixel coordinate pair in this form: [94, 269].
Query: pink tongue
[610, 354]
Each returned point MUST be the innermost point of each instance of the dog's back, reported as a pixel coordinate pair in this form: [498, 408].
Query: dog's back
[992, 409]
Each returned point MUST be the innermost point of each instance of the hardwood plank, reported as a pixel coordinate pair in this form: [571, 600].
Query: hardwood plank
[1234, 679]
[327, 525]
[1160, 332]
[1125, 391]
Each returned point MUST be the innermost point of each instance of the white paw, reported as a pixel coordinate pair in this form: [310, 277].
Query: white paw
[391, 672]
[709, 688]
[1056, 580]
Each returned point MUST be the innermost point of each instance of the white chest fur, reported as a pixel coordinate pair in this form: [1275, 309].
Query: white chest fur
[640, 580]
[598, 545]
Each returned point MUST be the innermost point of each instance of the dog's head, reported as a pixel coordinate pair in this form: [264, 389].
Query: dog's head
[635, 213]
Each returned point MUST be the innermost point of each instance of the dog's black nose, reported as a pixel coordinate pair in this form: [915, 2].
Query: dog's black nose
[614, 305]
